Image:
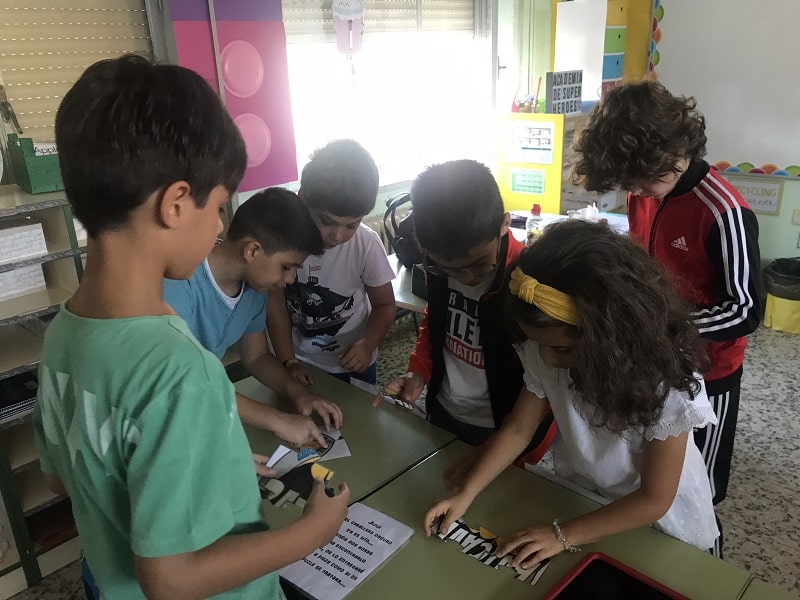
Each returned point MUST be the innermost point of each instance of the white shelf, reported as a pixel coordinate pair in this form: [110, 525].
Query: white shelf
[34, 304]
[14, 200]
[58, 254]
[13, 582]
[33, 491]
[10, 557]
[19, 446]
[18, 348]
[60, 556]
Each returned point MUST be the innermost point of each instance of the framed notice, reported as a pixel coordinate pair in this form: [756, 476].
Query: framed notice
[762, 193]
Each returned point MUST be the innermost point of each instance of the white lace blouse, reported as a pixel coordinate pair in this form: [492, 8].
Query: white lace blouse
[610, 464]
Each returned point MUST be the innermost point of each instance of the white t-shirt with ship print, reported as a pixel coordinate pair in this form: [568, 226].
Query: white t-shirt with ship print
[328, 303]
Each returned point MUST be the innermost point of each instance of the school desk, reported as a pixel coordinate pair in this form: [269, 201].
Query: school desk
[401, 285]
[760, 590]
[384, 441]
[431, 568]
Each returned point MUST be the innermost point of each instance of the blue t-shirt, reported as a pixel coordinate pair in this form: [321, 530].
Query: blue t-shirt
[199, 302]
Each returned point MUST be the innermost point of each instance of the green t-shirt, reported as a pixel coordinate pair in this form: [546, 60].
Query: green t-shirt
[140, 423]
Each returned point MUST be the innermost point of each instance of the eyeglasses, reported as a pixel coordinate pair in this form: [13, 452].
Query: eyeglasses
[479, 268]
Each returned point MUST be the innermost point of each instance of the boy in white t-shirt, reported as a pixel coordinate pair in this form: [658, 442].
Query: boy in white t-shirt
[340, 307]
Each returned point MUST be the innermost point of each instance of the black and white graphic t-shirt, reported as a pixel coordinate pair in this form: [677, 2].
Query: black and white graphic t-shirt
[465, 392]
[328, 304]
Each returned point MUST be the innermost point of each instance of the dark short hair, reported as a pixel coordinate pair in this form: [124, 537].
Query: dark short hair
[278, 220]
[637, 133]
[129, 128]
[342, 178]
[634, 341]
[457, 206]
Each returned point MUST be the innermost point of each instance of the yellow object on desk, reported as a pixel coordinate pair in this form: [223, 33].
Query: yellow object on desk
[384, 442]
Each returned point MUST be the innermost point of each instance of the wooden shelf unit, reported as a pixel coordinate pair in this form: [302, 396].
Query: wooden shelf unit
[37, 304]
[34, 510]
[10, 559]
[20, 350]
[34, 494]
[19, 447]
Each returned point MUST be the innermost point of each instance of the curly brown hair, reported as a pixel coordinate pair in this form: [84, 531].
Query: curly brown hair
[637, 133]
[634, 342]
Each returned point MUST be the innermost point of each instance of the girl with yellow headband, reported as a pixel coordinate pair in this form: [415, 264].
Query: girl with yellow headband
[606, 344]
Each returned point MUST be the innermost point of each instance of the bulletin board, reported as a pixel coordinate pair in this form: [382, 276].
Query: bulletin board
[740, 61]
[530, 161]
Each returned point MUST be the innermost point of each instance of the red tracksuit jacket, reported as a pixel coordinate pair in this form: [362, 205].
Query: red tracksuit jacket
[707, 237]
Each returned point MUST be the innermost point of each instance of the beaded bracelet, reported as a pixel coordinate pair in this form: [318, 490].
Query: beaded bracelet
[562, 538]
[290, 362]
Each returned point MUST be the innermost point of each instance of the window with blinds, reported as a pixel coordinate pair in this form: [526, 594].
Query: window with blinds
[312, 20]
[45, 45]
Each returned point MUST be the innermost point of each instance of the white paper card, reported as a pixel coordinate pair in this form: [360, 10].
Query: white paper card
[366, 539]
[337, 446]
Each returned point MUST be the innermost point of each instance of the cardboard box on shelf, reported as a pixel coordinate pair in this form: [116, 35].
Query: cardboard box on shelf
[36, 172]
[19, 282]
[20, 239]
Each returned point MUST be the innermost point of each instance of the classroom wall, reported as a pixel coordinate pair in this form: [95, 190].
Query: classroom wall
[778, 236]
[253, 71]
[739, 60]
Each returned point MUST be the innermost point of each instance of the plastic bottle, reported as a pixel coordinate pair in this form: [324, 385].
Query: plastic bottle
[533, 224]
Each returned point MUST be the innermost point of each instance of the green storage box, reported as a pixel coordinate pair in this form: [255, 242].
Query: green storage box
[34, 174]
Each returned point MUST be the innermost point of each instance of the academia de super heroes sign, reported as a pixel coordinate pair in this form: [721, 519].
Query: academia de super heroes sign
[564, 89]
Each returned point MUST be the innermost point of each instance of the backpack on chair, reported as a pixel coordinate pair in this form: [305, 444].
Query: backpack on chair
[400, 235]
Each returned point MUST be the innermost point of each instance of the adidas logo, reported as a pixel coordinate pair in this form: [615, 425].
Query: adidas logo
[680, 244]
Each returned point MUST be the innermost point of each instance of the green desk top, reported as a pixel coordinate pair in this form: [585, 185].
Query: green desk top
[759, 590]
[430, 568]
[384, 441]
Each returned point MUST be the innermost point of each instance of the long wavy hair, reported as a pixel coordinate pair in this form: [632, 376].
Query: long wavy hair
[634, 340]
[638, 133]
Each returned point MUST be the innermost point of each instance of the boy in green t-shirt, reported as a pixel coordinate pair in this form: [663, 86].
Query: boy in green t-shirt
[134, 418]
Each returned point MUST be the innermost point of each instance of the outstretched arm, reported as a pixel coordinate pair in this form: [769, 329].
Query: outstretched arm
[661, 473]
[264, 366]
[235, 560]
[499, 452]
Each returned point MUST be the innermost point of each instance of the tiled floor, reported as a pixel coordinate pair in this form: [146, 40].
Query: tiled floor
[761, 515]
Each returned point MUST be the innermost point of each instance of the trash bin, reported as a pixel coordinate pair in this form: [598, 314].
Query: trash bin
[782, 280]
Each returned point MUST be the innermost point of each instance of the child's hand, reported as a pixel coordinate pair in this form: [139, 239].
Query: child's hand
[328, 513]
[330, 414]
[299, 431]
[356, 358]
[409, 387]
[448, 510]
[298, 372]
[261, 465]
[530, 546]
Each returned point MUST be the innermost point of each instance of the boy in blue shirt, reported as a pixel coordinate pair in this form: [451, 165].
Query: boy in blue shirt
[224, 303]
[135, 420]
[342, 304]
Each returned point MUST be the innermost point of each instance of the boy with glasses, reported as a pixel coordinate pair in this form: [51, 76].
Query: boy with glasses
[463, 351]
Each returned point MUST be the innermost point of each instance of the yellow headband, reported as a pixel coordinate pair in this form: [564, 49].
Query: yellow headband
[549, 300]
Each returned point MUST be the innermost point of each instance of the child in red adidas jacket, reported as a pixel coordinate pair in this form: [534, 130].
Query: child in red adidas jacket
[643, 139]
